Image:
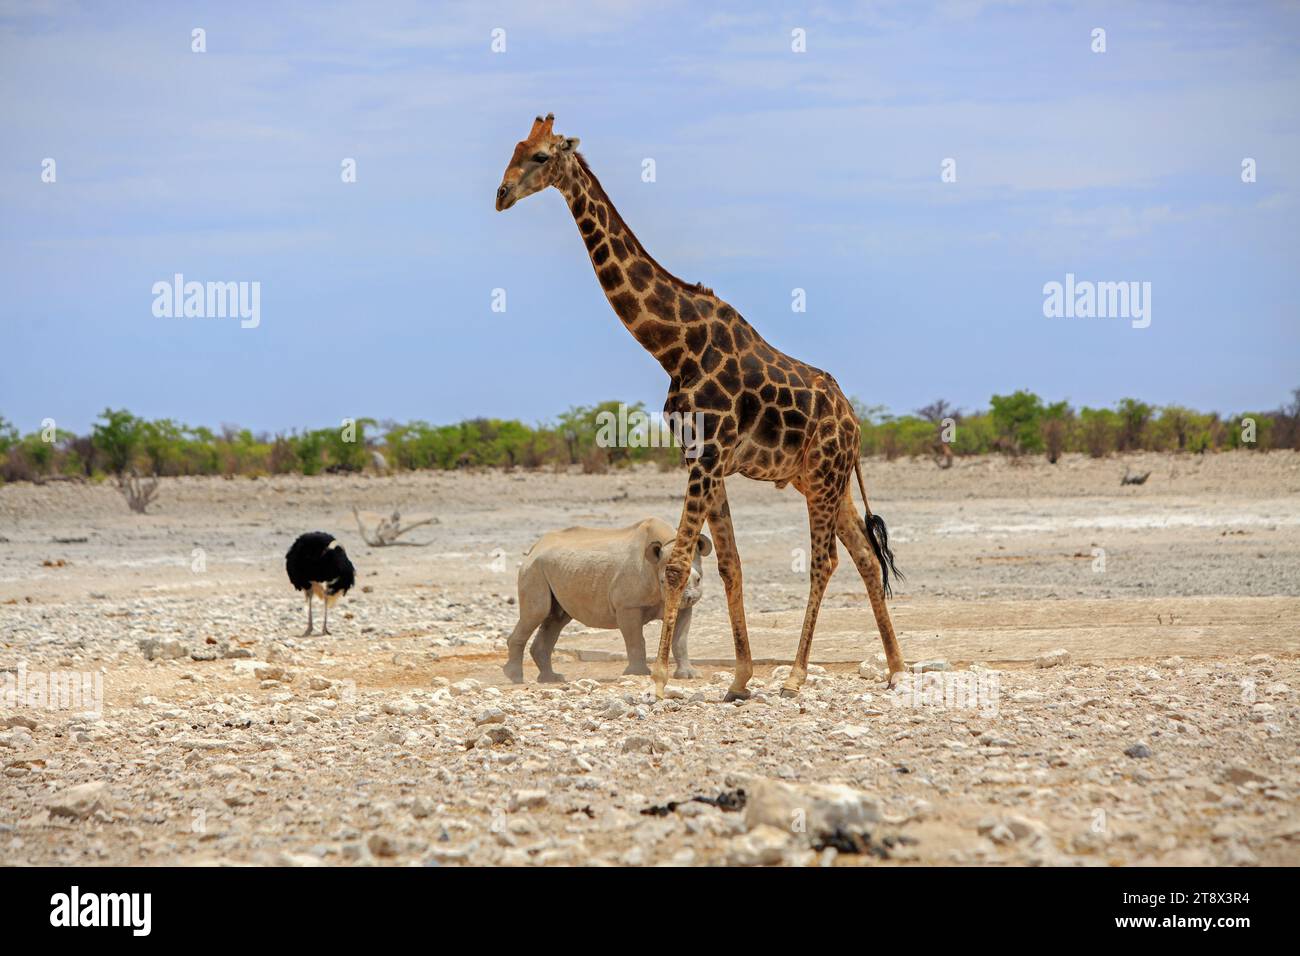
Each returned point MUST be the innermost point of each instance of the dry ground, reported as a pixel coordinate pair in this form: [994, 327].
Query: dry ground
[1169, 736]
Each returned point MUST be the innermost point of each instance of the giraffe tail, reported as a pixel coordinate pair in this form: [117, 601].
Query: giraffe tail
[878, 535]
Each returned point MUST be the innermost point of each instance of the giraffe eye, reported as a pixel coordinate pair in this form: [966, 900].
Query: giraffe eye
[540, 158]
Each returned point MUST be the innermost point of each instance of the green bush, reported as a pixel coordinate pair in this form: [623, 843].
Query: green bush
[1097, 429]
[1236, 431]
[309, 448]
[1134, 416]
[1054, 426]
[117, 438]
[975, 435]
[8, 435]
[1017, 423]
[1016, 419]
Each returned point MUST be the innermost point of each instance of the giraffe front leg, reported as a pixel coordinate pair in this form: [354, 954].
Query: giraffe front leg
[724, 544]
[699, 493]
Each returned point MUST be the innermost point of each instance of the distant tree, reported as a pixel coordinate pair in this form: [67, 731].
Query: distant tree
[117, 438]
[869, 414]
[8, 435]
[1016, 419]
[1055, 428]
[1286, 423]
[310, 449]
[1134, 417]
[937, 411]
[163, 441]
[347, 446]
[1174, 426]
[1099, 427]
[281, 460]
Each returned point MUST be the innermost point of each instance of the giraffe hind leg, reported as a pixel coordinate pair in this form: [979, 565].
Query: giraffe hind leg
[849, 528]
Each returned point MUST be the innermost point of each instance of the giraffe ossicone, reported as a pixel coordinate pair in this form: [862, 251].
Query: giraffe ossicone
[763, 414]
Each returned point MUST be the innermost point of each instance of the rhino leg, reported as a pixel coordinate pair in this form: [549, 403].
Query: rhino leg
[544, 644]
[535, 602]
[630, 622]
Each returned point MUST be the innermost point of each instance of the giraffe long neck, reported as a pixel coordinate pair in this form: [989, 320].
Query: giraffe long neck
[655, 306]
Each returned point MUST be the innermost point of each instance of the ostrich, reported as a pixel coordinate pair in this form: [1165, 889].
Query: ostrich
[318, 565]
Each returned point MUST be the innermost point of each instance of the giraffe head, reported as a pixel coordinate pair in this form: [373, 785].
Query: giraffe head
[536, 163]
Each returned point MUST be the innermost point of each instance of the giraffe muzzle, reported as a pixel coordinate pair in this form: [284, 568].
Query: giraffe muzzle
[505, 198]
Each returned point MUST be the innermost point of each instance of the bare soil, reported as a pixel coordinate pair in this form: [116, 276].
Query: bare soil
[1166, 734]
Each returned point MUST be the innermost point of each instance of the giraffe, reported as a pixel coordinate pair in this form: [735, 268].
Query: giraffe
[762, 414]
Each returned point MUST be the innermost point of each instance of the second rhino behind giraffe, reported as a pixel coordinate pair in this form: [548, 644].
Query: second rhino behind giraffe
[601, 577]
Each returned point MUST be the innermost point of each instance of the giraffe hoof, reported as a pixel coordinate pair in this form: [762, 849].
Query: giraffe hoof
[735, 695]
[787, 693]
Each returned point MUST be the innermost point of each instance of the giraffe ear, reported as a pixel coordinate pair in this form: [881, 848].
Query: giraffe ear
[570, 144]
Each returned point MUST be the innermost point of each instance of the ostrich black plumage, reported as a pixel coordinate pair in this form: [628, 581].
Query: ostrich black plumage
[318, 565]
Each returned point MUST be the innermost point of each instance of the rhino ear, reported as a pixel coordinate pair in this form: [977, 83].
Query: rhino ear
[653, 550]
[706, 546]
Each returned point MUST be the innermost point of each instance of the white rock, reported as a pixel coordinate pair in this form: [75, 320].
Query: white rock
[639, 743]
[614, 709]
[527, 799]
[203, 743]
[808, 810]
[764, 845]
[167, 648]
[873, 672]
[850, 732]
[1053, 658]
[1241, 855]
[1011, 829]
[80, 801]
[467, 686]
[402, 707]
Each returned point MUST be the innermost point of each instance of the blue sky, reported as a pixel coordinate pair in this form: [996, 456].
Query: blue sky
[775, 170]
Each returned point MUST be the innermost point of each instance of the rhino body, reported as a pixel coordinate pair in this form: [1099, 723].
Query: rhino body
[605, 578]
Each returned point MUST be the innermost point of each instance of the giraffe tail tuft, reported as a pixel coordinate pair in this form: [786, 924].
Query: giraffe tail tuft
[878, 535]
